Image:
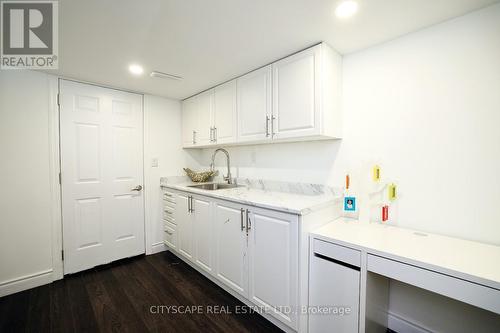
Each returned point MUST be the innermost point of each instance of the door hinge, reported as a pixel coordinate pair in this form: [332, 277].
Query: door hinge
[62, 255]
[60, 179]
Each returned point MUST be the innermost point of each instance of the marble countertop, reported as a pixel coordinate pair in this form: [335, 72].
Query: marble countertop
[295, 198]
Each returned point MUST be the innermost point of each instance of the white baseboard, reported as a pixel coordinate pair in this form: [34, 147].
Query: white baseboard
[157, 247]
[402, 325]
[26, 282]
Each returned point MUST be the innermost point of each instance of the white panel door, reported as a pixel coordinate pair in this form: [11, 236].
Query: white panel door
[296, 94]
[230, 250]
[273, 263]
[203, 113]
[101, 165]
[184, 220]
[254, 105]
[203, 233]
[225, 113]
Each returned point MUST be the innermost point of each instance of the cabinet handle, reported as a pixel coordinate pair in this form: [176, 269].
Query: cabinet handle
[242, 212]
[215, 134]
[248, 222]
[194, 137]
[189, 203]
[192, 205]
[169, 232]
[267, 126]
[272, 125]
[211, 134]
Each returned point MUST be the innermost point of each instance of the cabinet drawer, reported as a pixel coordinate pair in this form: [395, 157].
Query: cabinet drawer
[462, 290]
[170, 237]
[168, 214]
[169, 197]
[337, 252]
[170, 225]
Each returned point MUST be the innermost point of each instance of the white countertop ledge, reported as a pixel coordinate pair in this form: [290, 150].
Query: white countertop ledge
[294, 203]
[472, 261]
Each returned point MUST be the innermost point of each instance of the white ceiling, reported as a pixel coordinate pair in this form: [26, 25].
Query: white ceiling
[211, 41]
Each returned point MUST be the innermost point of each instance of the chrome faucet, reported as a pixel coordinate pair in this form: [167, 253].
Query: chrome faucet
[228, 177]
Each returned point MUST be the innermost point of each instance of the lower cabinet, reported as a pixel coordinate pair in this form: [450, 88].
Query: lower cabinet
[273, 263]
[202, 222]
[184, 221]
[250, 250]
[334, 287]
[231, 246]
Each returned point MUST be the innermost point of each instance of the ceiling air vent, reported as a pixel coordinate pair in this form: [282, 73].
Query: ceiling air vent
[165, 76]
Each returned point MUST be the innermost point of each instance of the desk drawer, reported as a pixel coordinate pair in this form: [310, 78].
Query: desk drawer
[337, 252]
[462, 290]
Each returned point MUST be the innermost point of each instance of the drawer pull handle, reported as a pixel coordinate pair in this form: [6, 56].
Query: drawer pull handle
[335, 261]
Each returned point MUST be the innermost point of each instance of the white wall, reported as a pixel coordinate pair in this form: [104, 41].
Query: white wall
[30, 226]
[28, 237]
[426, 108]
[162, 141]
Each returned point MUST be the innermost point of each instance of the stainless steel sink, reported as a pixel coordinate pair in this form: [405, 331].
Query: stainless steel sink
[214, 186]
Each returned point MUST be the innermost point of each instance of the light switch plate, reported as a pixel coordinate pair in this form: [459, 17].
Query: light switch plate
[154, 162]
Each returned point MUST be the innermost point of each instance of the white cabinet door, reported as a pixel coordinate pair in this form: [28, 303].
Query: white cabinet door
[273, 263]
[203, 243]
[296, 94]
[203, 105]
[189, 122]
[230, 250]
[184, 221]
[254, 105]
[333, 285]
[225, 113]
[101, 166]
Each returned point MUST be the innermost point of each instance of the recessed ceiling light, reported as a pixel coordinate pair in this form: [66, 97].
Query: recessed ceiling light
[135, 69]
[346, 9]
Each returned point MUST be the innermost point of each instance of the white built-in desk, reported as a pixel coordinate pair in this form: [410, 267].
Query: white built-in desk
[463, 270]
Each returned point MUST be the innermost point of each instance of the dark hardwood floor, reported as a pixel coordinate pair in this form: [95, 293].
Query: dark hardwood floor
[126, 297]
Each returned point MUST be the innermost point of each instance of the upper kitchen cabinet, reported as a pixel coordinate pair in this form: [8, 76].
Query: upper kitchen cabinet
[210, 117]
[224, 115]
[254, 105]
[296, 98]
[197, 119]
[304, 94]
[203, 114]
[189, 122]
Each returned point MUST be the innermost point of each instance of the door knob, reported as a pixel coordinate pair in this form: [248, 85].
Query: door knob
[138, 188]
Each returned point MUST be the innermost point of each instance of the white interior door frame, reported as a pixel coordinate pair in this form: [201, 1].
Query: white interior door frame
[55, 137]
[55, 186]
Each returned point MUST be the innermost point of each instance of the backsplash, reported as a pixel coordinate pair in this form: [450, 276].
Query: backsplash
[288, 187]
[268, 185]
